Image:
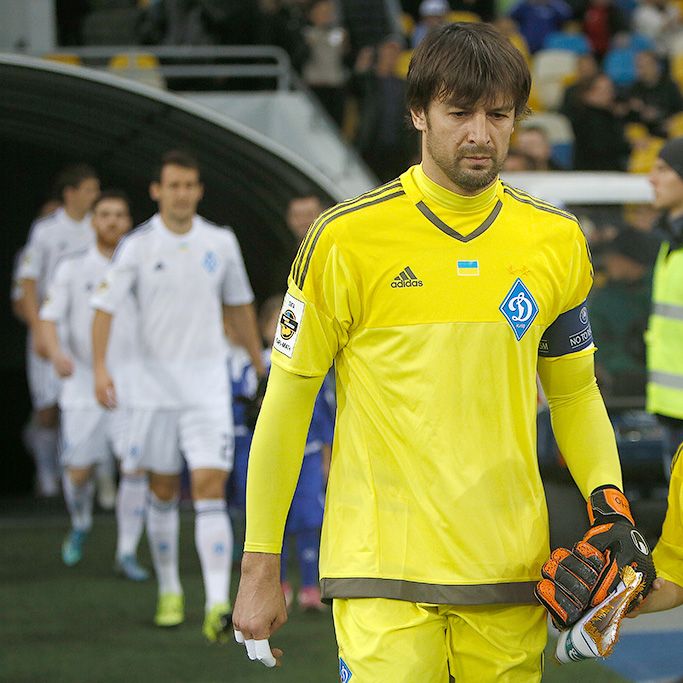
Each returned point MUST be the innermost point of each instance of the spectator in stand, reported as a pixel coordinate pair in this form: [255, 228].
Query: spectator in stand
[602, 20]
[282, 24]
[534, 141]
[539, 18]
[658, 20]
[654, 97]
[599, 140]
[619, 311]
[433, 13]
[586, 69]
[324, 70]
[518, 161]
[382, 138]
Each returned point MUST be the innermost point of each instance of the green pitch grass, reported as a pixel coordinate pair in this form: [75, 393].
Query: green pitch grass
[86, 625]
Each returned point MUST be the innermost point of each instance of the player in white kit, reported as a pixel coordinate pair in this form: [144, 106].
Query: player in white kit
[89, 432]
[186, 276]
[62, 233]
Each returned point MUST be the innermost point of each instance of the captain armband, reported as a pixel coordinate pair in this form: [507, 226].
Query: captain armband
[570, 332]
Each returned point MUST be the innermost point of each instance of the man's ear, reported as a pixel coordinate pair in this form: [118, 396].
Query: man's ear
[419, 119]
[154, 190]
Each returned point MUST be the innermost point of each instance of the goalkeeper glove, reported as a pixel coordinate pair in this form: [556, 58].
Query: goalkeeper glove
[578, 579]
[252, 404]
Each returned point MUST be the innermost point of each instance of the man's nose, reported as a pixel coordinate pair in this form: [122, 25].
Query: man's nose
[477, 133]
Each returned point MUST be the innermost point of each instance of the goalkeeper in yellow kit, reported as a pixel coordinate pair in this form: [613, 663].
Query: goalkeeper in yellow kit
[438, 297]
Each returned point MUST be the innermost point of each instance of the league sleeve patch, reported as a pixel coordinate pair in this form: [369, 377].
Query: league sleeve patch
[570, 332]
[288, 326]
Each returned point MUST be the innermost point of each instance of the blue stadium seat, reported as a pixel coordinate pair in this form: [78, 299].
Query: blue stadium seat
[575, 42]
[620, 65]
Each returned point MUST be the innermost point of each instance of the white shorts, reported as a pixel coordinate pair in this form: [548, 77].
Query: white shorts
[90, 435]
[43, 382]
[158, 439]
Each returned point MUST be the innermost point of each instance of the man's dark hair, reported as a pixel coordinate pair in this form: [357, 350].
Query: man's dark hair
[112, 194]
[468, 64]
[177, 157]
[72, 176]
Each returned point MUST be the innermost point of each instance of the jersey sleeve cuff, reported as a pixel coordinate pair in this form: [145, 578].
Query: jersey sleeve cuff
[269, 548]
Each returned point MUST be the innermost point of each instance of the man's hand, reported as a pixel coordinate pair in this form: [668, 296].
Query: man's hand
[578, 579]
[260, 607]
[664, 595]
[63, 365]
[104, 389]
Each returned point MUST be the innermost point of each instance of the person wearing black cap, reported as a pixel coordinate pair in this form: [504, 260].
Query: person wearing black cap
[619, 312]
[664, 338]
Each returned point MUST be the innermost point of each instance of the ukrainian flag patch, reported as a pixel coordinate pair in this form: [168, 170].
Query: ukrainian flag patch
[468, 268]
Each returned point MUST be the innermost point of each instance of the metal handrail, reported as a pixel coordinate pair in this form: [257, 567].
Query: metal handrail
[279, 68]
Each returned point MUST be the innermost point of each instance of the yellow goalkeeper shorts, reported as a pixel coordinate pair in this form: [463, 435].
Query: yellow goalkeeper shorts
[407, 642]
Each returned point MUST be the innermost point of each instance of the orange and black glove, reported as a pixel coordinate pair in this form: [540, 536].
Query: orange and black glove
[578, 579]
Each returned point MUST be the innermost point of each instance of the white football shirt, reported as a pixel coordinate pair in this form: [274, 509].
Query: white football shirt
[179, 283]
[52, 238]
[68, 304]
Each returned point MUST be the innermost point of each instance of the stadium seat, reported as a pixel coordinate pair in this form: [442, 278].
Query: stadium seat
[407, 24]
[548, 69]
[464, 16]
[644, 154]
[620, 65]
[402, 64]
[639, 42]
[676, 68]
[561, 40]
[675, 125]
[64, 58]
[138, 66]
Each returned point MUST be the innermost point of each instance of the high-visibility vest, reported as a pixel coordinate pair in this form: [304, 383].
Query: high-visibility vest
[664, 336]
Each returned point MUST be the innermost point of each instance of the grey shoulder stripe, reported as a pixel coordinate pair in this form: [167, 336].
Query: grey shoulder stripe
[433, 218]
[327, 221]
[540, 207]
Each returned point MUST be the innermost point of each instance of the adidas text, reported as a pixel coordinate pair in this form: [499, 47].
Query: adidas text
[406, 283]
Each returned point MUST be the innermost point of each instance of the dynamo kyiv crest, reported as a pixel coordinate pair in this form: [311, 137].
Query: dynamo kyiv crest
[519, 308]
[345, 674]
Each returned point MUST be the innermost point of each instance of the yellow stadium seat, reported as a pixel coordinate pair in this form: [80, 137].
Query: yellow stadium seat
[675, 125]
[138, 66]
[64, 58]
[402, 64]
[407, 24]
[464, 16]
[635, 132]
[644, 154]
[676, 66]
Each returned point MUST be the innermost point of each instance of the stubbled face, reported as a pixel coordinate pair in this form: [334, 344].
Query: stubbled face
[178, 192]
[667, 186]
[111, 220]
[301, 213]
[464, 149]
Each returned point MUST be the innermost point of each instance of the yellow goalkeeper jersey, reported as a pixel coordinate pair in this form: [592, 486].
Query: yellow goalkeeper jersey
[434, 315]
[668, 553]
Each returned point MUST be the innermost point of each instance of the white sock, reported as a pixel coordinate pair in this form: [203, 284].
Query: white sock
[162, 533]
[42, 442]
[213, 539]
[79, 502]
[131, 502]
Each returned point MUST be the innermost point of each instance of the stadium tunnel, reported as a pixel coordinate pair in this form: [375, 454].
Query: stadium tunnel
[53, 114]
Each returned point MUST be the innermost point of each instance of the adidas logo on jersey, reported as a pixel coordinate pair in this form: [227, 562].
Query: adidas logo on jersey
[406, 278]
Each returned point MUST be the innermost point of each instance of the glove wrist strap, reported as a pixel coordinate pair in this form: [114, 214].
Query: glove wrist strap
[607, 504]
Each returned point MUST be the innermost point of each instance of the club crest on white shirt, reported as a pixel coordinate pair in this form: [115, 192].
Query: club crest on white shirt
[288, 326]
